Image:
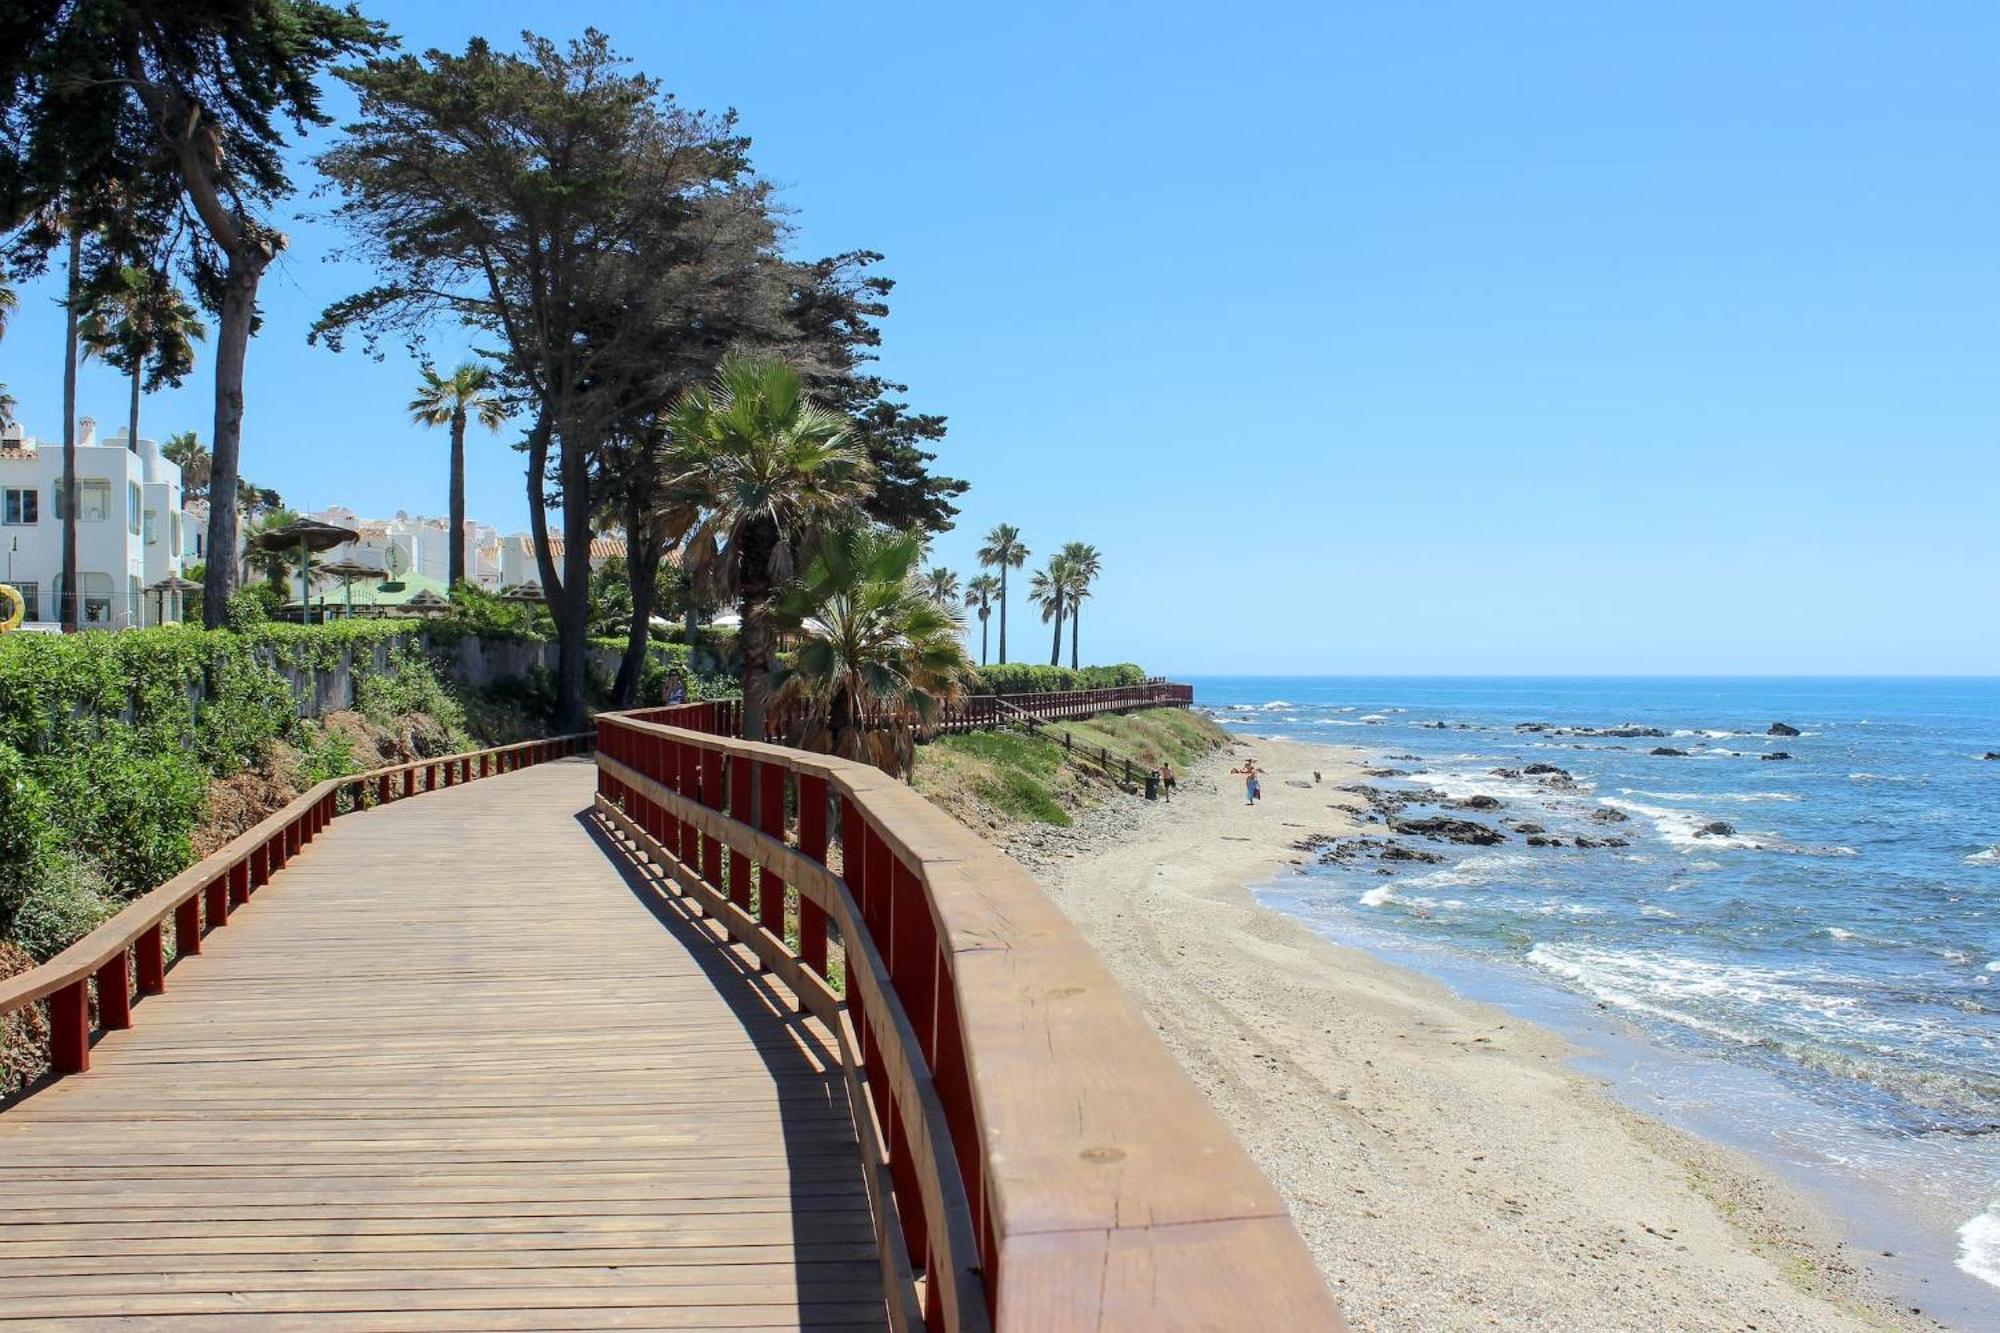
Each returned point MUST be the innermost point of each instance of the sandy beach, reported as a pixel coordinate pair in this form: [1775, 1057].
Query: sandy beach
[1448, 1166]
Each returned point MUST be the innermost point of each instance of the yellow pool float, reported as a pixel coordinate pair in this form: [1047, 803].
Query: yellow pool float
[13, 608]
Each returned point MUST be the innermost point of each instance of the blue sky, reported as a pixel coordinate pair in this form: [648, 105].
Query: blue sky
[1453, 338]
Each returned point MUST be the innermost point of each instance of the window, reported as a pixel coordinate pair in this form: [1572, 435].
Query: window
[94, 606]
[134, 502]
[32, 595]
[21, 507]
[152, 527]
[93, 499]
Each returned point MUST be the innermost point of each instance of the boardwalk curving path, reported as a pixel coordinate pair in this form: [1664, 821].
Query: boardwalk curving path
[451, 1069]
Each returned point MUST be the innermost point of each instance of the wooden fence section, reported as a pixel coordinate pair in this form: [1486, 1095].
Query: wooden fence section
[126, 957]
[1036, 1159]
[976, 712]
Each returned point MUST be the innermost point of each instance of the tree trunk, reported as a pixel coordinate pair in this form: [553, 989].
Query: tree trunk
[132, 427]
[1055, 649]
[760, 541]
[70, 605]
[232, 343]
[574, 622]
[1003, 615]
[642, 571]
[455, 562]
[982, 637]
[1075, 619]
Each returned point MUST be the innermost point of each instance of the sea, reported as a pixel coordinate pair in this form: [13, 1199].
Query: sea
[1798, 956]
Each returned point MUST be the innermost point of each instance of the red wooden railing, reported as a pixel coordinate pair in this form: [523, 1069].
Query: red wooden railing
[126, 957]
[1034, 1157]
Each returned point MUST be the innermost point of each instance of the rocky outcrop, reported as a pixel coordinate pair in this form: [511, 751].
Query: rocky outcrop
[1394, 852]
[1669, 751]
[1775, 754]
[1782, 729]
[1716, 829]
[1525, 827]
[1438, 827]
[1608, 815]
[1480, 802]
[1541, 840]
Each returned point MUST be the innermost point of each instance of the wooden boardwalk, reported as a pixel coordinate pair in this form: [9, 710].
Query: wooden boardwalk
[451, 1069]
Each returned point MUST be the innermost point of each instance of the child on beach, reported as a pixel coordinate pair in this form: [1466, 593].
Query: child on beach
[1250, 773]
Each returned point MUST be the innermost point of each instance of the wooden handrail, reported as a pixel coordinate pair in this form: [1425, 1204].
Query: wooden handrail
[127, 954]
[1045, 1163]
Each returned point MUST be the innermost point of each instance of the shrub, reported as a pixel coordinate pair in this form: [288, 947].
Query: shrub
[1030, 678]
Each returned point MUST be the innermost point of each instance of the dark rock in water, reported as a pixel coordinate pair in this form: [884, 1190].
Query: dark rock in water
[1777, 754]
[1478, 803]
[1395, 853]
[1314, 842]
[1669, 751]
[1435, 726]
[1451, 830]
[1534, 726]
[1525, 827]
[1993, 754]
[1617, 842]
[1782, 729]
[1607, 815]
[1385, 773]
[1717, 829]
[1588, 842]
[1544, 770]
[1405, 758]
[1539, 841]
[1623, 733]
[1509, 773]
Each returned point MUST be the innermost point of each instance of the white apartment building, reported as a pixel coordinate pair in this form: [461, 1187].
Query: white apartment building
[131, 530]
[420, 543]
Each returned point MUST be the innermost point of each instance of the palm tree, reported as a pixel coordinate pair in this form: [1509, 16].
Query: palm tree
[1003, 550]
[1084, 564]
[871, 641]
[775, 469]
[941, 586]
[1048, 589]
[449, 400]
[187, 452]
[137, 320]
[980, 593]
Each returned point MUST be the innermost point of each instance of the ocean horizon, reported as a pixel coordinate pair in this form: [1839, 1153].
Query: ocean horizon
[1767, 907]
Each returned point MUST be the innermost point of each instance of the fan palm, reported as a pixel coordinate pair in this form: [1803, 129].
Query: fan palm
[776, 469]
[186, 451]
[136, 320]
[450, 400]
[1084, 564]
[979, 594]
[871, 641]
[1003, 551]
[941, 586]
[1049, 589]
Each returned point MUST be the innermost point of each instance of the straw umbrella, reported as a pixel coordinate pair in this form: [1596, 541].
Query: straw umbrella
[171, 583]
[309, 535]
[347, 569]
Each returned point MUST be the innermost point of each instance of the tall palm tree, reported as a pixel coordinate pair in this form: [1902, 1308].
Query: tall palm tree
[138, 321]
[1048, 589]
[980, 594]
[187, 452]
[941, 586]
[872, 641]
[1084, 564]
[776, 470]
[1003, 551]
[449, 400]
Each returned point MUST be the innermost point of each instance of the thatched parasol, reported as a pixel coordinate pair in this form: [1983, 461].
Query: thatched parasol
[171, 583]
[348, 569]
[309, 535]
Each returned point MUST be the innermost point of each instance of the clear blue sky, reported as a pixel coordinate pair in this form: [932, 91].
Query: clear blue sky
[1453, 338]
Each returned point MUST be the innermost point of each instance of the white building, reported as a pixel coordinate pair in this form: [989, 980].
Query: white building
[420, 544]
[131, 531]
[516, 556]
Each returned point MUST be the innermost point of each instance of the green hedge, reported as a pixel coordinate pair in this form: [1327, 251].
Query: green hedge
[1027, 678]
[108, 742]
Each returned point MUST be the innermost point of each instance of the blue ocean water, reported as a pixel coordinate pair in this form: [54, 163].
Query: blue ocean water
[1809, 947]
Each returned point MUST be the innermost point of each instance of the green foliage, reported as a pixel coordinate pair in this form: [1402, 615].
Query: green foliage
[476, 611]
[409, 686]
[1026, 678]
[64, 904]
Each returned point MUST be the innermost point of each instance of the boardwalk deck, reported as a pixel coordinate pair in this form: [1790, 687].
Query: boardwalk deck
[448, 1071]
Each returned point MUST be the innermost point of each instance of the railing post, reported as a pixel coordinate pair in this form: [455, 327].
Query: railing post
[812, 843]
[740, 811]
[771, 821]
[187, 927]
[150, 949]
[114, 993]
[217, 894]
[69, 1028]
[239, 884]
[711, 796]
[382, 790]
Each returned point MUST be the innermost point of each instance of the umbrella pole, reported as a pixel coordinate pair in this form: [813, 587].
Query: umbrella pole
[305, 566]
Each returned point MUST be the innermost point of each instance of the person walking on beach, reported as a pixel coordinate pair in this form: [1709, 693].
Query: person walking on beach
[1167, 780]
[1250, 773]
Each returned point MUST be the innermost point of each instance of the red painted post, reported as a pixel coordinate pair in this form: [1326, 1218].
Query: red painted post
[689, 765]
[382, 790]
[260, 866]
[217, 894]
[711, 796]
[812, 843]
[771, 821]
[114, 993]
[740, 812]
[69, 1028]
[239, 884]
[187, 927]
[151, 951]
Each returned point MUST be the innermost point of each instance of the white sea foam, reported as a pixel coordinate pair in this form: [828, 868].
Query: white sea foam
[1836, 932]
[1742, 796]
[1993, 966]
[1979, 1246]
[1681, 827]
[1988, 857]
[1378, 897]
[1647, 909]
